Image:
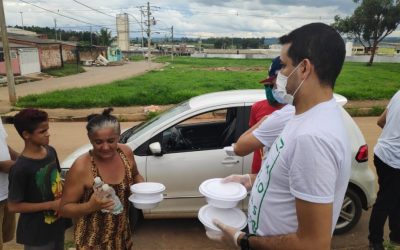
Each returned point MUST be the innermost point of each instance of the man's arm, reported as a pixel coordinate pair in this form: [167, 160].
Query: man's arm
[14, 154]
[247, 142]
[5, 166]
[314, 230]
[382, 119]
[27, 207]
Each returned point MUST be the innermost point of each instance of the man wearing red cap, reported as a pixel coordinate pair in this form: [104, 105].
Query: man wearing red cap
[265, 107]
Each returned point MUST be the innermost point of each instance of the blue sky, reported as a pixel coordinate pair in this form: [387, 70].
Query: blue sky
[190, 18]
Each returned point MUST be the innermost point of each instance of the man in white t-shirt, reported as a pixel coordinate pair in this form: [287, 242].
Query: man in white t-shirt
[7, 158]
[297, 195]
[387, 163]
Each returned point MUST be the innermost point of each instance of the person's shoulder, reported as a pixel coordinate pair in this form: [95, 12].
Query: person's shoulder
[260, 104]
[396, 97]
[20, 166]
[125, 149]
[286, 112]
[51, 148]
[81, 163]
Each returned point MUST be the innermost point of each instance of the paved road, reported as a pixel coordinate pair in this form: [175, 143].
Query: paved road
[188, 233]
[92, 76]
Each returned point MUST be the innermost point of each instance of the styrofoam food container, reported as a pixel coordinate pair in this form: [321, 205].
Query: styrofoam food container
[222, 195]
[147, 190]
[233, 217]
[145, 203]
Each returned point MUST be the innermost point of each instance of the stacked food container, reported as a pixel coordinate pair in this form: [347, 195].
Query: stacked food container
[146, 195]
[222, 199]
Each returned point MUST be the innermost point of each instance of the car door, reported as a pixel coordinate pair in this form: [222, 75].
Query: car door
[192, 151]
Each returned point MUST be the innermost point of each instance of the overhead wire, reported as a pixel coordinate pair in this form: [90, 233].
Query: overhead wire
[72, 18]
[87, 6]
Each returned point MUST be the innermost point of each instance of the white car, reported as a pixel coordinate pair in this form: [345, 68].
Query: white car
[183, 146]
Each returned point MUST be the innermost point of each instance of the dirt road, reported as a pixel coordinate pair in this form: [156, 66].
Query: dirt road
[188, 233]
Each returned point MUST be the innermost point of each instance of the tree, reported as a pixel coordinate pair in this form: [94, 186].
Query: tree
[104, 37]
[370, 23]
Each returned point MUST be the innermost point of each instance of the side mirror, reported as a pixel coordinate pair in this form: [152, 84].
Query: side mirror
[155, 149]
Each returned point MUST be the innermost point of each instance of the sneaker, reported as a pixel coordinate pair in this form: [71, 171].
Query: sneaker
[376, 246]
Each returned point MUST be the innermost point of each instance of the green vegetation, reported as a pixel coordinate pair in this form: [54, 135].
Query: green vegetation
[187, 77]
[136, 58]
[68, 69]
[358, 82]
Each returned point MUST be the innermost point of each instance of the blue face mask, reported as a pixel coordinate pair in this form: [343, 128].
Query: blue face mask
[269, 94]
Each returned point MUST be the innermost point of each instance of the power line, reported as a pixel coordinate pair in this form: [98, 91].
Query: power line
[76, 1]
[72, 18]
[237, 13]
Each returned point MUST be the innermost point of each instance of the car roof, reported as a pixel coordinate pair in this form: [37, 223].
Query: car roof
[238, 96]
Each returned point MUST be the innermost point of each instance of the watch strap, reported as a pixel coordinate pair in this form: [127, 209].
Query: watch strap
[244, 242]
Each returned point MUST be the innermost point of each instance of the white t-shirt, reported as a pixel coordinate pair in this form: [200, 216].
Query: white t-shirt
[4, 156]
[272, 127]
[388, 146]
[311, 161]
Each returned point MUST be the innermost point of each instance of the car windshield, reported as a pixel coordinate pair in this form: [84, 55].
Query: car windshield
[142, 128]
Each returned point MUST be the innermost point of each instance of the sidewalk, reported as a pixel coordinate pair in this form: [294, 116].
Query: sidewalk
[137, 113]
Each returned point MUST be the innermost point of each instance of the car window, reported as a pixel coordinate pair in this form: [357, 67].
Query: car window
[155, 121]
[211, 130]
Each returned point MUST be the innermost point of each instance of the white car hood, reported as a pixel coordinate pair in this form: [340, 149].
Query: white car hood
[67, 163]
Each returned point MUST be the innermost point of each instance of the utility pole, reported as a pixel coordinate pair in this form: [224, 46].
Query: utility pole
[22, 20]
[55, 27]
[7, 58]
[172, 49]
[141, 24]
[148, 35]
[91, 38]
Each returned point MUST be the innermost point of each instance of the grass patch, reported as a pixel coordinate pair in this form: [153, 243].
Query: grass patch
[136, 58]
[360, 82]
[186, 77]
[373, 111]
[68, 69]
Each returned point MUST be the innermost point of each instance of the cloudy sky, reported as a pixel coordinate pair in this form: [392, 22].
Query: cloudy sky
[190, 18]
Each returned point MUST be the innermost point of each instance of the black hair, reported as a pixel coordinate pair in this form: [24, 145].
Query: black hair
[29, 119]
[103, 120]
[322, 45]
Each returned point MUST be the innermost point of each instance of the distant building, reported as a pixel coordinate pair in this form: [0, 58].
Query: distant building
[24, 59]
[21, 32]
[50, 55]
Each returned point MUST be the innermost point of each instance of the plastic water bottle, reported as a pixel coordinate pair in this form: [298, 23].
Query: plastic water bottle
[109, 193]
[98, 183]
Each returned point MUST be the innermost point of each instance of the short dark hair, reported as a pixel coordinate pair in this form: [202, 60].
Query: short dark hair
[29, 119]
[103, 120]
[322, 45]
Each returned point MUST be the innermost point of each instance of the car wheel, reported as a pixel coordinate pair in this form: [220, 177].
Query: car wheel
[350, 213]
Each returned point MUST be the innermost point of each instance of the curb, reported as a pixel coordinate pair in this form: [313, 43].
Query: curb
[139, 116]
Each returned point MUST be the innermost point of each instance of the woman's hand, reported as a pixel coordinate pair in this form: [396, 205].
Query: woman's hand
[98, 202]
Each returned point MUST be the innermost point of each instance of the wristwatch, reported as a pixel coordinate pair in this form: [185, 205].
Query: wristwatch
[244, 242]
